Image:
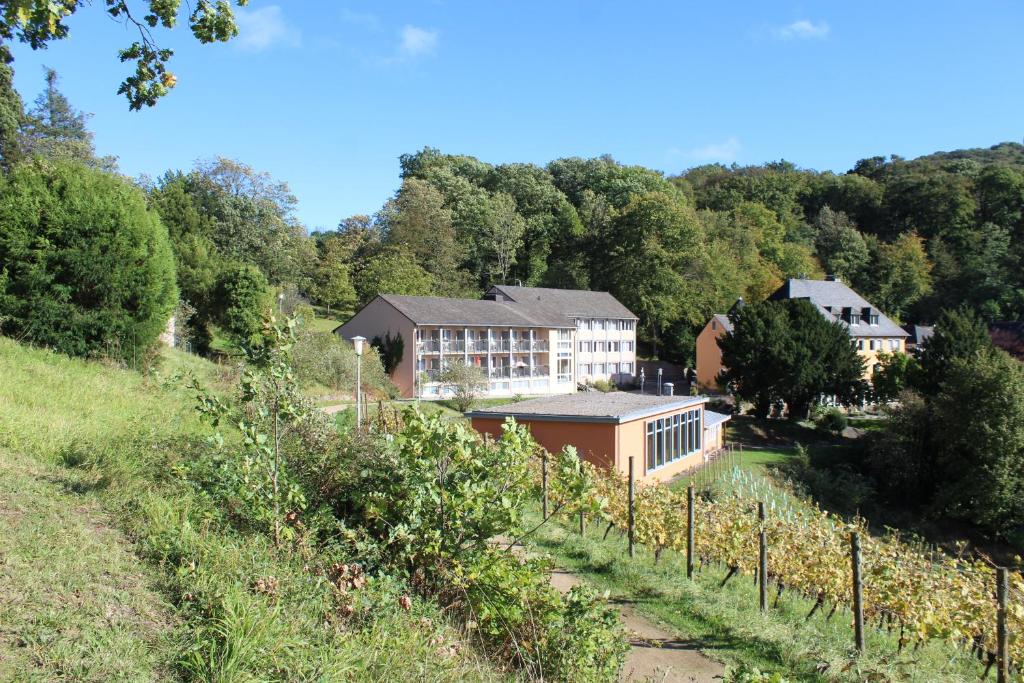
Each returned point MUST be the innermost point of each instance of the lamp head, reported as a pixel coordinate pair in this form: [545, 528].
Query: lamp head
[357, 344]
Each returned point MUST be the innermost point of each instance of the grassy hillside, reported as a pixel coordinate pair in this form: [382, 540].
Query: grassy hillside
[111, 567]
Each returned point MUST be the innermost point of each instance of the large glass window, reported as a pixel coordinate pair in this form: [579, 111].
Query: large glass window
[672, 438]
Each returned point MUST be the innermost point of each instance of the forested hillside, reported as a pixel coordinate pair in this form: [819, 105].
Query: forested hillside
[912, 236]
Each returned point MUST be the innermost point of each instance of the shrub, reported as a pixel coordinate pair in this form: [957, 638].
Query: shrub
[326, 359]
[832, 420]
[84, 266]
[603, 385]
[465, 382]
[242, 299]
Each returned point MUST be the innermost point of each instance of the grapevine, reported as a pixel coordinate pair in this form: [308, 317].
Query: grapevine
[906, 589]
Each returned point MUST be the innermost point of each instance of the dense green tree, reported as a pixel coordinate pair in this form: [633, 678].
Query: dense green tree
[840, 246]
[40, 23]
[959, 334]
[788, 351]
[900, 275]
[895, 373]
[419, 223]
[243, 300]
[654, 245]
[391, 271]
[12, 111]
[503, 235]
[1000, 192]
[86, 268]
[332, 282]
[979, 440]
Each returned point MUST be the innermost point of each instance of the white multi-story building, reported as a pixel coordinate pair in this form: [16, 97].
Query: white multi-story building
[604, 342]
[526, 340]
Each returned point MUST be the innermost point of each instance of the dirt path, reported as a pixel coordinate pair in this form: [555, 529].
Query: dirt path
[655, 654]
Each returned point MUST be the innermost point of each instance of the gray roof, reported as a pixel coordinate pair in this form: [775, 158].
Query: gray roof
[573, 303]
[919, 333]
[831, 297]
[724, 321]
[712, 418]
[614, 406]
[437, 310]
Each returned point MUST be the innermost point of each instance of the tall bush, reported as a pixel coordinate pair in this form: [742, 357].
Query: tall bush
[323, 358]
[85, 268]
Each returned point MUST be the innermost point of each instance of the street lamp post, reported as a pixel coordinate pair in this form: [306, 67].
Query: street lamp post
[357, 344]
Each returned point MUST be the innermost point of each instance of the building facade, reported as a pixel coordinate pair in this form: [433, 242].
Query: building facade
[665, 435]
[524, 345]
[604, 342]
[709, 354]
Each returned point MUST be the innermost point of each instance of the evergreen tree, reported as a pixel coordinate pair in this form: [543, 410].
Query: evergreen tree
[786, 350]
[11, 112]
[85, 267]
[53, 129]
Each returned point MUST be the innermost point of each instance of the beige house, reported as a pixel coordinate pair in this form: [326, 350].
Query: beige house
[666, 435]
[522, 338]
[871, 331]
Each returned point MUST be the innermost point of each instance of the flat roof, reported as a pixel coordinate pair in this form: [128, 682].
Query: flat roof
[589, 406]
[711, 418]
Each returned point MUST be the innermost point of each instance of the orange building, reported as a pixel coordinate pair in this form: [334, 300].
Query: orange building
[709, 355]
[666, 435]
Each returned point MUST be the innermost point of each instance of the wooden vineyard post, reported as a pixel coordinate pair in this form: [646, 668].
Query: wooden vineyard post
[689, 531]
[1002, 638]
[544, 484]
[632, 511]
[762, 565]
[858, 603]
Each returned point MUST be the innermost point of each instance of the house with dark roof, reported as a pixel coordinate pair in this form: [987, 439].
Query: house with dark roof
[917, 335]
[526, 340]
[665, 435]
[871, 331]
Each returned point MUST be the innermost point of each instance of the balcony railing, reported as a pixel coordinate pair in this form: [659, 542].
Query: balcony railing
[481, 346]
[520, 373]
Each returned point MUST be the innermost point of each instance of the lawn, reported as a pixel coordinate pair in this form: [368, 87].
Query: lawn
[75, 602]
[112, 567]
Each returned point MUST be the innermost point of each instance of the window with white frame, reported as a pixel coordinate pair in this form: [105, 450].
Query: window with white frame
[584, 369]
[613, 368]
[626, 368]
[627, 346]
[598, 368]
[894, 344]
[599, 347]
[584, 347]
[860, 344]
[613, 347]
[672, 438]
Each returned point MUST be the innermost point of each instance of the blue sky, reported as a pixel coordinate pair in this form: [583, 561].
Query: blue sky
[327, 95]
